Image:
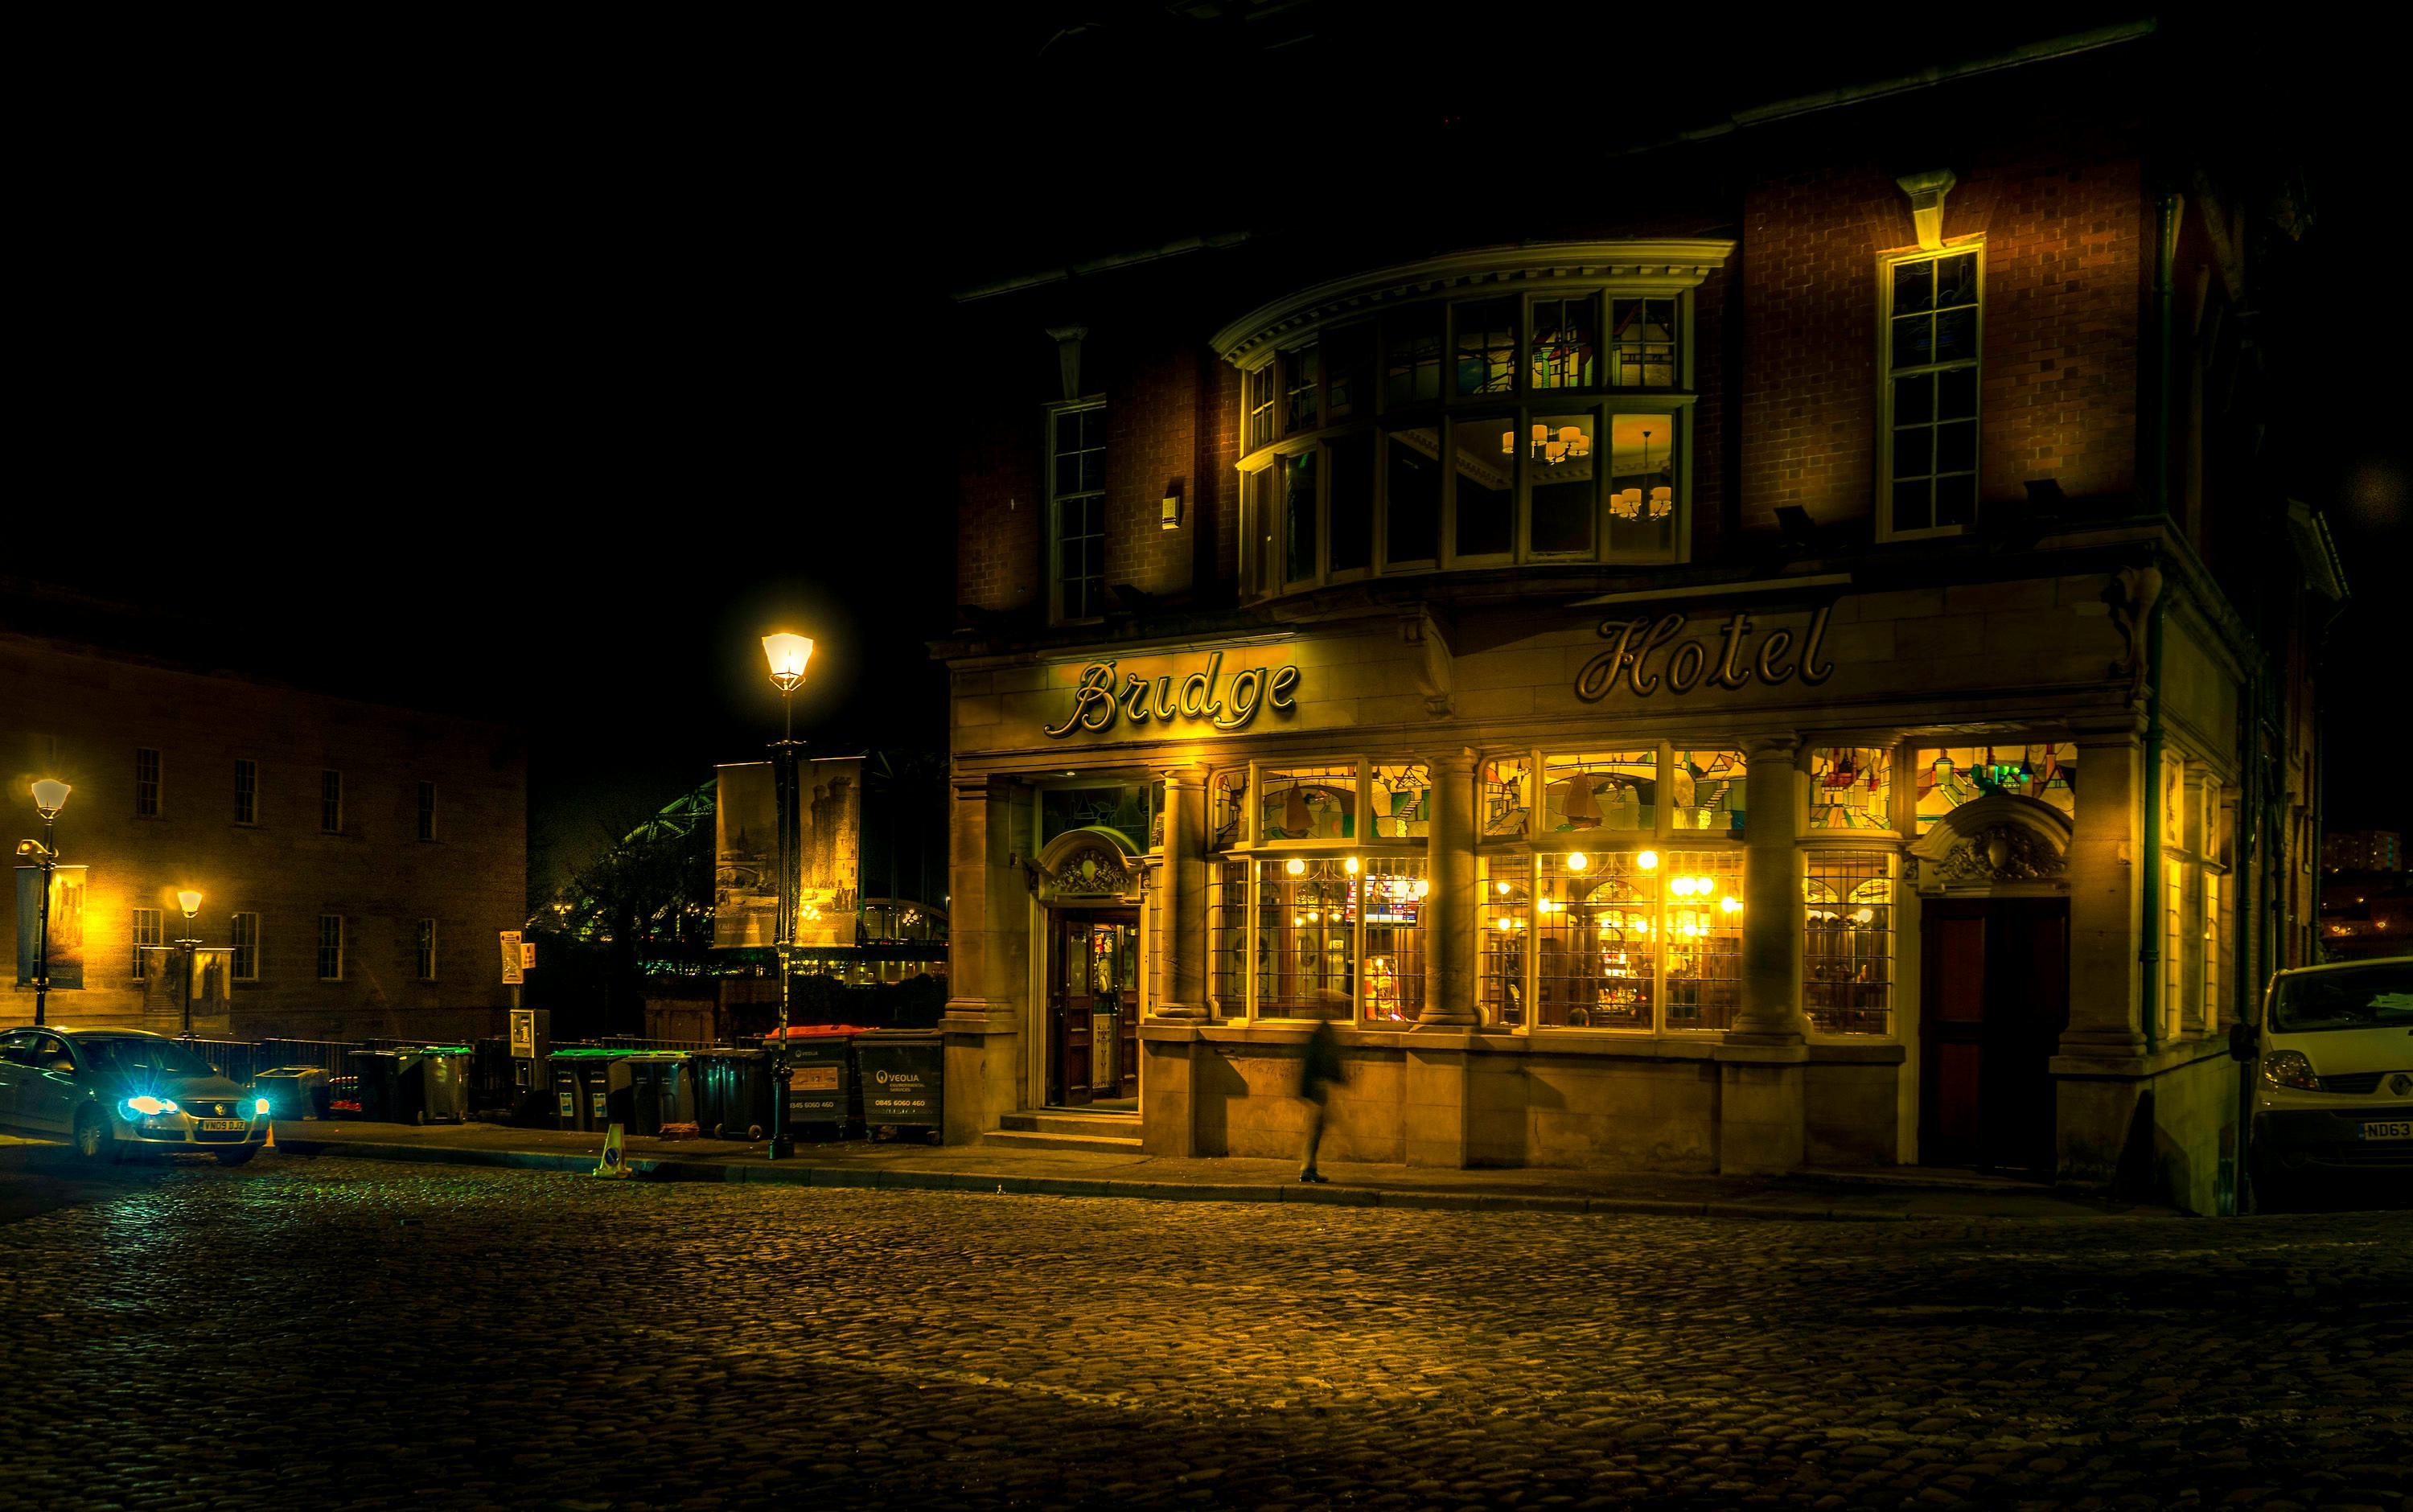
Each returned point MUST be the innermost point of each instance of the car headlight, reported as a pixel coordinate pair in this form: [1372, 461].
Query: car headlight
[149, 1106]
[2290, 1068]
[259, 1108]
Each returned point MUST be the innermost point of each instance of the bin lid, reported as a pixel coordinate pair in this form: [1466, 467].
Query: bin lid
[443, 1050]
[813, 1032]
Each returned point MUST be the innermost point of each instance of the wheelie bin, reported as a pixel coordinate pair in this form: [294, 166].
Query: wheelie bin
[293, 1091]
[903, 1073]
[568, 1107]
[437, 1086]
[823, 1086]
[661, 1090]
[733, 1093]
[379, 1077]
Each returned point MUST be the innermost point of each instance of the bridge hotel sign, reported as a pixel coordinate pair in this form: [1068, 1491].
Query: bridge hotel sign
[1097, 702]
[1728, 659]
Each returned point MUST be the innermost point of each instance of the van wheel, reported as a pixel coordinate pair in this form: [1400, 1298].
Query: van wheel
[93, 1140]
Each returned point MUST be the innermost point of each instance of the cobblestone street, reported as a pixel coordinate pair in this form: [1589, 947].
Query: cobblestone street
[338, 1332]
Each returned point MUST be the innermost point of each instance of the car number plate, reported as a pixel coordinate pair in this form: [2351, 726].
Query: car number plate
[2394, 1128]
[222, 1125]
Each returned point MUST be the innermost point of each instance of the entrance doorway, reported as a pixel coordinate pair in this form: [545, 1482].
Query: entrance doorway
[1994, 999]
[1093, 1008]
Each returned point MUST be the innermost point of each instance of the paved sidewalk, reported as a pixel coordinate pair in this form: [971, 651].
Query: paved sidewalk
[1877, 1195]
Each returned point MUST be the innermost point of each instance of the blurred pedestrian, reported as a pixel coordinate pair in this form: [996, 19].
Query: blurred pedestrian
[1318, 1069]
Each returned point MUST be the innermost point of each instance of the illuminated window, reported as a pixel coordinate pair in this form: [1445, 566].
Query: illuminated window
[146, 935]
[243, 934]
[1307, 803]
[246, 792]
[1506, 889]
[1398, 794]
[1700, 937]
[1563, 483]
[1562, 343]
[1483, 344]
[1504, 797]
[1708, 792]
[1847, 942]
[1076, 488]
[1306, 939]
[1930, 353]
[1395, 889]
[1951, 776]
[1227, 937]
[1227, 800]
[1642, 486]
[1851, 787]
[146, 784]
[1596, 942]
[1642, 343]
[331, 947]
[424, 951]
[331, 802]
[1607, 790]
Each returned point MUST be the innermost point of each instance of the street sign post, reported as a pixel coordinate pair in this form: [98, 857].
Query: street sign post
[514, 959]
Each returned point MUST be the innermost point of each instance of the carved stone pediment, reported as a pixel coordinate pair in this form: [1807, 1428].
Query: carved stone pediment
[2004, 840]
[1084, 864]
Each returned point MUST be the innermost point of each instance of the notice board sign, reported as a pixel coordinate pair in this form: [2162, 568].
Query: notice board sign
[901, 1078]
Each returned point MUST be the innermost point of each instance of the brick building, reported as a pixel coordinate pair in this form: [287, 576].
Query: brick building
[1797, 662]
[355, 861]
[2362, 850]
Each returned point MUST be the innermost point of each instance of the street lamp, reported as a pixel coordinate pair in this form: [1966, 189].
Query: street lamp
[190, 901]
[50, 797]
[787, 654]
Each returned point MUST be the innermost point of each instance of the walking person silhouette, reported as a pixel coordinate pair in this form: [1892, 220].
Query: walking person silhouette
[1318, 1069]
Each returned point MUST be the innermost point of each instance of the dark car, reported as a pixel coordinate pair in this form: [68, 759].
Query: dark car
[116, 1092]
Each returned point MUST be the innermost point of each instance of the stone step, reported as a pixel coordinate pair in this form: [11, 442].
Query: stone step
[1114, 1125]
[1026, 1139]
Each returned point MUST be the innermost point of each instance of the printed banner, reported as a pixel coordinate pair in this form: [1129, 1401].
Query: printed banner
[828, 860]
[67, 925]
[164, 984]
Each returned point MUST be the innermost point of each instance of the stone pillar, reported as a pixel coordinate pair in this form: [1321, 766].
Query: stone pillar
[1761, 1112]
[1449, 915]
[1180, 900]
[987, 956]
[2106, 912]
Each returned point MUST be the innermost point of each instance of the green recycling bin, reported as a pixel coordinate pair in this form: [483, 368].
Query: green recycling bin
[599, 1086]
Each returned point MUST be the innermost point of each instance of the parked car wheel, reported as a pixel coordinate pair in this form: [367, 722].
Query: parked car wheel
[234, 1157]
[93, 1140]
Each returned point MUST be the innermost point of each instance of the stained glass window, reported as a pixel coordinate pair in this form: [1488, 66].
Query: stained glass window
[1951, 776]
[1562, 343]
[1395, 892]
[1485, 346]
[1708, 792]
[1851, 787]
[1411, 354]
[1505, 796]
[1642, 343]
[1121, 806]
[1847, 942]
[1227, 942]
[1506, 889]
[1307, 803]
[1399, 794]
[1227, 798]
[1607, 790]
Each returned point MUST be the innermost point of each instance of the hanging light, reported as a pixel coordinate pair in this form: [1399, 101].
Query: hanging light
[1647, 859]
[1503, 886]
[1294, 866]
[1576, 861]
[1730, 903]
[1351, 865]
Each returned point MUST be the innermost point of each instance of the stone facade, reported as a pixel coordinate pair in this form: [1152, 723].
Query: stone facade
[81, 716]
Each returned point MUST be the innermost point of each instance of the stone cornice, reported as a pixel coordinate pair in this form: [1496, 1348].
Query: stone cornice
[1657, 264]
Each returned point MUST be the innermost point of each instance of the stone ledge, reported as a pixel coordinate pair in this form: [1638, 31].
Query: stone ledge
[2159, 1062]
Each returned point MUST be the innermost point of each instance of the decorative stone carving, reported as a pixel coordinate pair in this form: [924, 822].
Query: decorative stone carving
[2003, 839]
[2004, 853]
[2131, 597]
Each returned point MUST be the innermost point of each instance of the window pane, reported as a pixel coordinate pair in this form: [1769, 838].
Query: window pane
[1913, 399]
[1068, 432]
[1504, 797]
[1411, 493]
[1411, 354]
[1260, 405]
[1595, 941]
[1307, 803]
[1955, 446]
[1913, 505]
[1299, 388]
[1558, 460]
[1643, 334]
[1913, 286]
[1486, 345]
[1395, 891]
[1605, 790]
[1642, 486]
[1914, 340]
[1956, 498]
[1708, 792]
[1956, 335]
[1227, 906]
[1506, 889]
[1951, 776]
[1399, 794]
[1351, 459]
[1298, 516]
[1914, 452]
[1847, 942]
[1562, 343]
[1956, 393]
[1348, 356]
[1851, 787]
[1486, 522]
[1955, 280]
[1701, 932]
[1227, 797]
[1306, 920]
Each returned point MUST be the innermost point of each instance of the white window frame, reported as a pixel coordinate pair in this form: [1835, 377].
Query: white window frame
[1056, 611]
[150, 782]
[146, 928]
[235, 933]
[1886, 374]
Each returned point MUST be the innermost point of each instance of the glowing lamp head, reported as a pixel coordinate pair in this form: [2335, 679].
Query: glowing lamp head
[190, 901]
[1647, 859]
[788, 655]
[1506, 925]
[1576, 861]
[1731, 904]
[1503, 886]
[50, 797]
[1350, 865]
[1295, 867]
[1424, 885]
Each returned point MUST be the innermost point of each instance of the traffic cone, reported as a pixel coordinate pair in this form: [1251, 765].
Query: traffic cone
[272, 1135]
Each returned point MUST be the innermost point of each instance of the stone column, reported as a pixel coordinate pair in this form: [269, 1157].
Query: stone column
[1180, 901]
[1761, 1124]
[1449, 915]
[2106, 911]
[987, 955]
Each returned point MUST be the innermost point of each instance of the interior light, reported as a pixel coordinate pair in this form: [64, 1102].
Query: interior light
[1351, 865]
[1731, 904]
[1866, 915]
[1424, 885]
[1576, 861]
[1294, 866]
[1506, 925]
[1647, 859]
[1504, 888]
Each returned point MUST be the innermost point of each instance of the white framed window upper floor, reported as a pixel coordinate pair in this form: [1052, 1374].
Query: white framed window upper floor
[1931, 341]
[1517, 406]
[1076, 511]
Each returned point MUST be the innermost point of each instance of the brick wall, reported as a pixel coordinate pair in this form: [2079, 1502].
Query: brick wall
[1151, 451]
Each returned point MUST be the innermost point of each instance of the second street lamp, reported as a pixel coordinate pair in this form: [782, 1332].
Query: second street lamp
[190, 901]
[50, 797]
[788, 655]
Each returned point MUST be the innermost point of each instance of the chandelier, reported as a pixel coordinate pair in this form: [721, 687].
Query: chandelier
[1568, 443]
[1626, 503]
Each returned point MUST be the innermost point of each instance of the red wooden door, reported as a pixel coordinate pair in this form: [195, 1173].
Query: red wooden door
[1094, 1006]
[1994, 997]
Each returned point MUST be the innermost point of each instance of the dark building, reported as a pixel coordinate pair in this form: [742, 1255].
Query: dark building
[1779, 650]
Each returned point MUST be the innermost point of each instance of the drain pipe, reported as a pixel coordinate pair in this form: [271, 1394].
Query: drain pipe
[2149, 955]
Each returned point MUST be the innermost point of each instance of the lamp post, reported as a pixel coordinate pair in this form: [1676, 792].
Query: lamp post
[50, 797]
[190, 901]
[788, 655]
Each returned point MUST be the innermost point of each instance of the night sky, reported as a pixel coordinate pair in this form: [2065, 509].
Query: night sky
[501, 374]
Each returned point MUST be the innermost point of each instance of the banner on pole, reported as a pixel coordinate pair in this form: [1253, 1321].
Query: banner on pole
[67, 925]
[828, 860]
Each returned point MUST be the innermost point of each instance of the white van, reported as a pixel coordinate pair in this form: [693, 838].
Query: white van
[2333, 1051]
